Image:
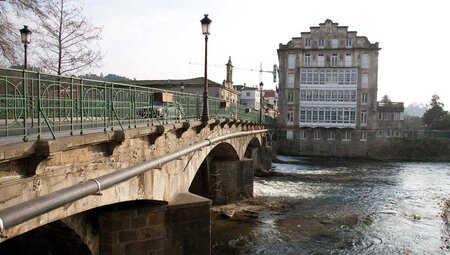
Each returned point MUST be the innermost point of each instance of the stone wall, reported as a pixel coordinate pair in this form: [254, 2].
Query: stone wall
[149, 228]
[232, 181]
[373, 147]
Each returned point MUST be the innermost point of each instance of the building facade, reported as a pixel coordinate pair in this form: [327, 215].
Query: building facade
[328, 90]
[390, 119]
[224, 91]
[270, 101]
[249, 96]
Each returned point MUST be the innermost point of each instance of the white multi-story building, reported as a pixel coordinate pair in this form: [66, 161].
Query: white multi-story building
[328, 85]
[249, 96]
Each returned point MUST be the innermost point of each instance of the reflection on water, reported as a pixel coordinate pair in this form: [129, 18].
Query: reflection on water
[344, 207]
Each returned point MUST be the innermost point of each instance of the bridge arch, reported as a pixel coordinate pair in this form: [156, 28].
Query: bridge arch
[53, 238]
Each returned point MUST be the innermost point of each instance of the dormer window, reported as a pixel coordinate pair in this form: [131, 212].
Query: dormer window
[321, 42]
[308, 42]
[348, 42]
[334, 43]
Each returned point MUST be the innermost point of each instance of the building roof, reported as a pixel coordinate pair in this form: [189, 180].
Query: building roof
[242, 87]
[269, 93]
[186, 82]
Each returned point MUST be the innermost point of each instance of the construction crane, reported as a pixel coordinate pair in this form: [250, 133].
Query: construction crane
[274, 72]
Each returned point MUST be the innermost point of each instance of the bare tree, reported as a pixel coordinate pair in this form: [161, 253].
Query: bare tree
[10, 44]
[68, 40]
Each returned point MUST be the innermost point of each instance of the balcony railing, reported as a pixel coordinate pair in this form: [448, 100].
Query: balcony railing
[35, 106]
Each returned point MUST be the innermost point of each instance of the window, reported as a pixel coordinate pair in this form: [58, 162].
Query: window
[308, 42]
[364, 98]
[334, 60]
[316, 134]
[365, 80]
[321, 42]
[348, 60]
[303, 134]
[307, 61]
[365, 59]
[290, 97]
[348, 42]
[332, 135]
[290, 116]
[363, 118]
[289, 134]
[291, 61]
[321, 60]
[347, 135]
[247, 94]
[363, 136]
[334, 43]
[290, 80]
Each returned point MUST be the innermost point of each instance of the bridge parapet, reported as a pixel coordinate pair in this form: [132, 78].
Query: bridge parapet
[36, 106]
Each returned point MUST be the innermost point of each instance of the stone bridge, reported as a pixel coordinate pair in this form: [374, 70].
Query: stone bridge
[138, 191]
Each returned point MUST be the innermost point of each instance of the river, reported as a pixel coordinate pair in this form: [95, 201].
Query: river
[343, 207]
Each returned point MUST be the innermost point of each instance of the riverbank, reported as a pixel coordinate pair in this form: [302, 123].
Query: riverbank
[446, 226]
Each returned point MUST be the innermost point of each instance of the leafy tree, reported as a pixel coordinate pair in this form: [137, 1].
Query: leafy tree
[108, 77]
[435, 117]
[67, 37]
[115, 77]
[415, 109]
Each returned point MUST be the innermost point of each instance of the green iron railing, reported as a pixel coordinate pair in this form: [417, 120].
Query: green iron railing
[35, 105]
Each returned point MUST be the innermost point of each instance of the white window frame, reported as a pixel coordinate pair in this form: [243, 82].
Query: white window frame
[348, 60]
[334, 60]
[307, 60]
[291, 61]
[316, 134]
[290, 116]
[347, 136]
[365, 80]
[290, 80]
[331, 135]
[364, 96]
[303, 134]
[365, 60]
[334, 43]
[348, 42]
[321, 43]
[363, 137]
[363, 118]
[307, 42]
[289, 134]
[290, 97]
[321, 60]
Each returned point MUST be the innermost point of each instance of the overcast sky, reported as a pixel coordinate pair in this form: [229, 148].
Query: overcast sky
[157, 39]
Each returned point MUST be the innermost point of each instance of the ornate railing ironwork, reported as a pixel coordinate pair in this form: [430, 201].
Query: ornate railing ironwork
[34, 105]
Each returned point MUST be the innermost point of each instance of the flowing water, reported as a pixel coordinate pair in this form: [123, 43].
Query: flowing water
[344, 207]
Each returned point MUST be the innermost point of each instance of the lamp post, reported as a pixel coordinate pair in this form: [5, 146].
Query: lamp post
[205, 30]
[25, 36]
[261, 84]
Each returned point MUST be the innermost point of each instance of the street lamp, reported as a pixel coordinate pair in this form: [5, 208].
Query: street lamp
[261, 84]
[205, 30]
[25, 35]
